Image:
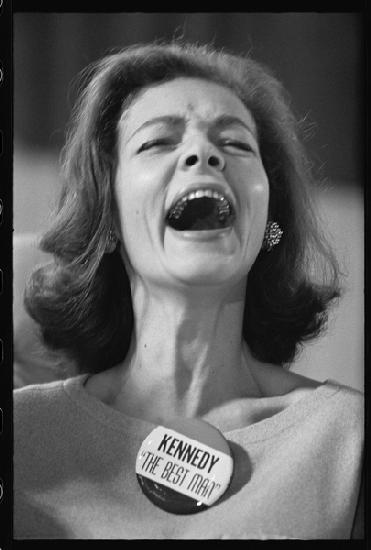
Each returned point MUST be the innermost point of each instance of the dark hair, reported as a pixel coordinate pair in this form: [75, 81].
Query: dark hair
[82, 299]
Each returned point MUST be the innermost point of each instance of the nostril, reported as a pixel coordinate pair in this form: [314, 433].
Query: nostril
[191, 160]
[214, 161]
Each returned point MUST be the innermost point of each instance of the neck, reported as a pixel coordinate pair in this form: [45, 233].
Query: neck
[186, 356]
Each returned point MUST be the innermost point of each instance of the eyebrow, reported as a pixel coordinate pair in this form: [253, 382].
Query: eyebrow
[221, 121]
[171, 120]
[228, 120]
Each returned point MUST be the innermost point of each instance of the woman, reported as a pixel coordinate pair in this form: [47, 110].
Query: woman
[188, 271]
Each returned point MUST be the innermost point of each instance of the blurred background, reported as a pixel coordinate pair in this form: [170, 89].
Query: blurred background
[319, 57]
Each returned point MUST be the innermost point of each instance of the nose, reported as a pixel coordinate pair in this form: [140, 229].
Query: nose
[203, 156]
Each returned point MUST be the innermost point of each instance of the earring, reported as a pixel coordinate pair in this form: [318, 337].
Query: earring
[111, 243]
[272, 235]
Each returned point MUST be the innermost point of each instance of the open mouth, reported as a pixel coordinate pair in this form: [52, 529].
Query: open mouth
[201, 210]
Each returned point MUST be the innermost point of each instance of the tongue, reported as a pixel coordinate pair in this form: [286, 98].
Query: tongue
[200, 215]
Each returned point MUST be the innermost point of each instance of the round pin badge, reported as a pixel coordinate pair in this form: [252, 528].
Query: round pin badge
[184, 467]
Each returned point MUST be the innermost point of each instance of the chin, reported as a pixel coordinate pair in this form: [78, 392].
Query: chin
[210, 274]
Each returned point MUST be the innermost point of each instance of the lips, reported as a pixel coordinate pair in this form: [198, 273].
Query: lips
[203, 209]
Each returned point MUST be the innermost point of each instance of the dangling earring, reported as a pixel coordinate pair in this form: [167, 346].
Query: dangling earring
[272, 235]
[111, 243]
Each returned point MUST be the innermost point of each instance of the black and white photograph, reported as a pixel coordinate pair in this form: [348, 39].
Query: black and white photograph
[188, 275]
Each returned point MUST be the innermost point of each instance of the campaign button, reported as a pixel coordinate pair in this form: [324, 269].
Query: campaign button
[184, 467]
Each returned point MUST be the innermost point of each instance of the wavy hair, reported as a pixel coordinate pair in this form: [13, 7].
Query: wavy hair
[82, 300]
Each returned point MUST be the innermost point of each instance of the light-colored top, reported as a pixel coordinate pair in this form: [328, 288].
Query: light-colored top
[297, 472]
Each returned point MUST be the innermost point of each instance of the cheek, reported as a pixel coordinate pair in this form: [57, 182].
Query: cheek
[138, 199]
[130, 217]
[260, 193]
[137, 182]
[128, 203]
[140, 189]
[254, 187]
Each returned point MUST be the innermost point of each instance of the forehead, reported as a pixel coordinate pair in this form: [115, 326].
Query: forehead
[192, 98]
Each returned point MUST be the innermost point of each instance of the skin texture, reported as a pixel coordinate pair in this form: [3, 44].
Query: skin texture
[147, 182]
[187, 357]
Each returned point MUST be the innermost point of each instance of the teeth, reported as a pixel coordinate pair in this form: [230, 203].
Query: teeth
[210, 193]
[202, 193]
[224, 206]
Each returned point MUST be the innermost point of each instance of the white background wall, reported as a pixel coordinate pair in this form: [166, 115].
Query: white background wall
[339, 354]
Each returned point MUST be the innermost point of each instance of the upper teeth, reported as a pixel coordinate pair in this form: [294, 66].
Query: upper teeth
[179, 206]
[203, 193]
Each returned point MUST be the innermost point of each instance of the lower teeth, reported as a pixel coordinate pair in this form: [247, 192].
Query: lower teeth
[201, 215]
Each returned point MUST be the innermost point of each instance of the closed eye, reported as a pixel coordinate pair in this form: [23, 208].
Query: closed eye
[243, 146]
[160, 142]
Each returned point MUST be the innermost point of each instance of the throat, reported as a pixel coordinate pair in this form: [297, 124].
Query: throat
[179, 386]
[185, 356]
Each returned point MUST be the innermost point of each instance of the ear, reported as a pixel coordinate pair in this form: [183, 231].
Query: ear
[115, 220]
[111, 242]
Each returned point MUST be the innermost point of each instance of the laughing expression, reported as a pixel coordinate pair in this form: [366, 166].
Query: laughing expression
[190, 188]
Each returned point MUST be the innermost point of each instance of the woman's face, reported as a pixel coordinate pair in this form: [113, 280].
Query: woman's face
[191, 190]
